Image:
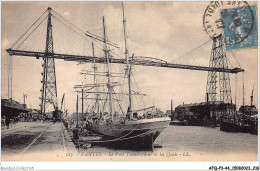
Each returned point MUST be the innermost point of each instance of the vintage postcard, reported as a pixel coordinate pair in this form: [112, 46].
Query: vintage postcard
[129, 81]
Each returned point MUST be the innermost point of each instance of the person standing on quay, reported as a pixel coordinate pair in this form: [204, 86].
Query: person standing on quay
[7, 122]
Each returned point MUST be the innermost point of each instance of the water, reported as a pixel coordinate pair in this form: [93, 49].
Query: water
[191, 143]
[208, 140]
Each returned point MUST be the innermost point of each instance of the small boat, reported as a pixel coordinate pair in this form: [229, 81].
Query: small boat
[232, 126]
[157, 146]
[179, 123]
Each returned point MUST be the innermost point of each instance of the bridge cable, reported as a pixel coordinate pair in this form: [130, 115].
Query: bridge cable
[92, 35]
[236, 59]
[74, 30]
[31, 33]
[32, 42]
[29, 28]
[69, 38]
[230, 63]
[193, 50]
[75, 27]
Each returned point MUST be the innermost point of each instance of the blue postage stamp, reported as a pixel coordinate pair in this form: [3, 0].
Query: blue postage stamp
[240, 27]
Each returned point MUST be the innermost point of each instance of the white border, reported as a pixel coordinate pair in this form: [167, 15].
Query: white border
[123, 165]
[16, 165]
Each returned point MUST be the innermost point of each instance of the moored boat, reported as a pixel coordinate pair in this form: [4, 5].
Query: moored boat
[134, 129]
[242, 121]
[179, 123]
[139, 134]
[229, 126]
[254, 124]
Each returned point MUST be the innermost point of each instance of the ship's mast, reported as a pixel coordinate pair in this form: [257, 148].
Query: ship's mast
[94, 71]
[251, 99]
[106, 51]
[128, 69]
[95, 82]
[243, 95]
[94, 63]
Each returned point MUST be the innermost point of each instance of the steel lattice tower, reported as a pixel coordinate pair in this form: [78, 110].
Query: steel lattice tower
[218, 59]
[49, 89]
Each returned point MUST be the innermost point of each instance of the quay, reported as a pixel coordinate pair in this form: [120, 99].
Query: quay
[31, 138]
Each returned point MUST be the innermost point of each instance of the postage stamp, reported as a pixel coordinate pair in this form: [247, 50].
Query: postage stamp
[240, 30]
[236, 21]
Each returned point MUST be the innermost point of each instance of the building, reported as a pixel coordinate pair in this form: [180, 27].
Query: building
[11, 108]
[200, 113]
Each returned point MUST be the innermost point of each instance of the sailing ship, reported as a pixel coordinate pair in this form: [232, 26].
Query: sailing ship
[132, 129]
[235, 125]
[240, 121]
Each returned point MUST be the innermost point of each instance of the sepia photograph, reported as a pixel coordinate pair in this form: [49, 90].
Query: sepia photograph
[129, 81]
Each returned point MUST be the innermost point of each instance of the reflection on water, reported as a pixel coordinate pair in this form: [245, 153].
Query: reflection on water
[199, 142]
[210, 140]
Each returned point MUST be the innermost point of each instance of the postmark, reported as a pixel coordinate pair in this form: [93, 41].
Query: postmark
[234, 19]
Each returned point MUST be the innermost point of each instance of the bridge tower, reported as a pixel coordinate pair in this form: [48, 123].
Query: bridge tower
[49, 88]
[218, 59]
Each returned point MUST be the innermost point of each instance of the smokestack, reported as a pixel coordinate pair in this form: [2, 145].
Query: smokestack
[171, 109]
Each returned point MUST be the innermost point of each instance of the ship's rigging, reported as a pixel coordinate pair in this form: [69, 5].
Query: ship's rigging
[110, 94]
[20, 48]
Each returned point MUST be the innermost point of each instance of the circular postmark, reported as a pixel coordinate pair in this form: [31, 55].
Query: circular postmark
[234, 19]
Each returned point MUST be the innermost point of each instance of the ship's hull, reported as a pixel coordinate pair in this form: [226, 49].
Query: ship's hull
[233, 127]
[254, 126]
[138, 135]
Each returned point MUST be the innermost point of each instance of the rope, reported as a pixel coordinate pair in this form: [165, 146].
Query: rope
[120, 138]
[118, 102]
[138, 88]
[105, 103]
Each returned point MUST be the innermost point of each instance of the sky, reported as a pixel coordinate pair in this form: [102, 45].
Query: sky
[165, 30]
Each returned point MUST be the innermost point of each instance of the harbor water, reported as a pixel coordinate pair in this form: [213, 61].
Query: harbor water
[189, 143]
